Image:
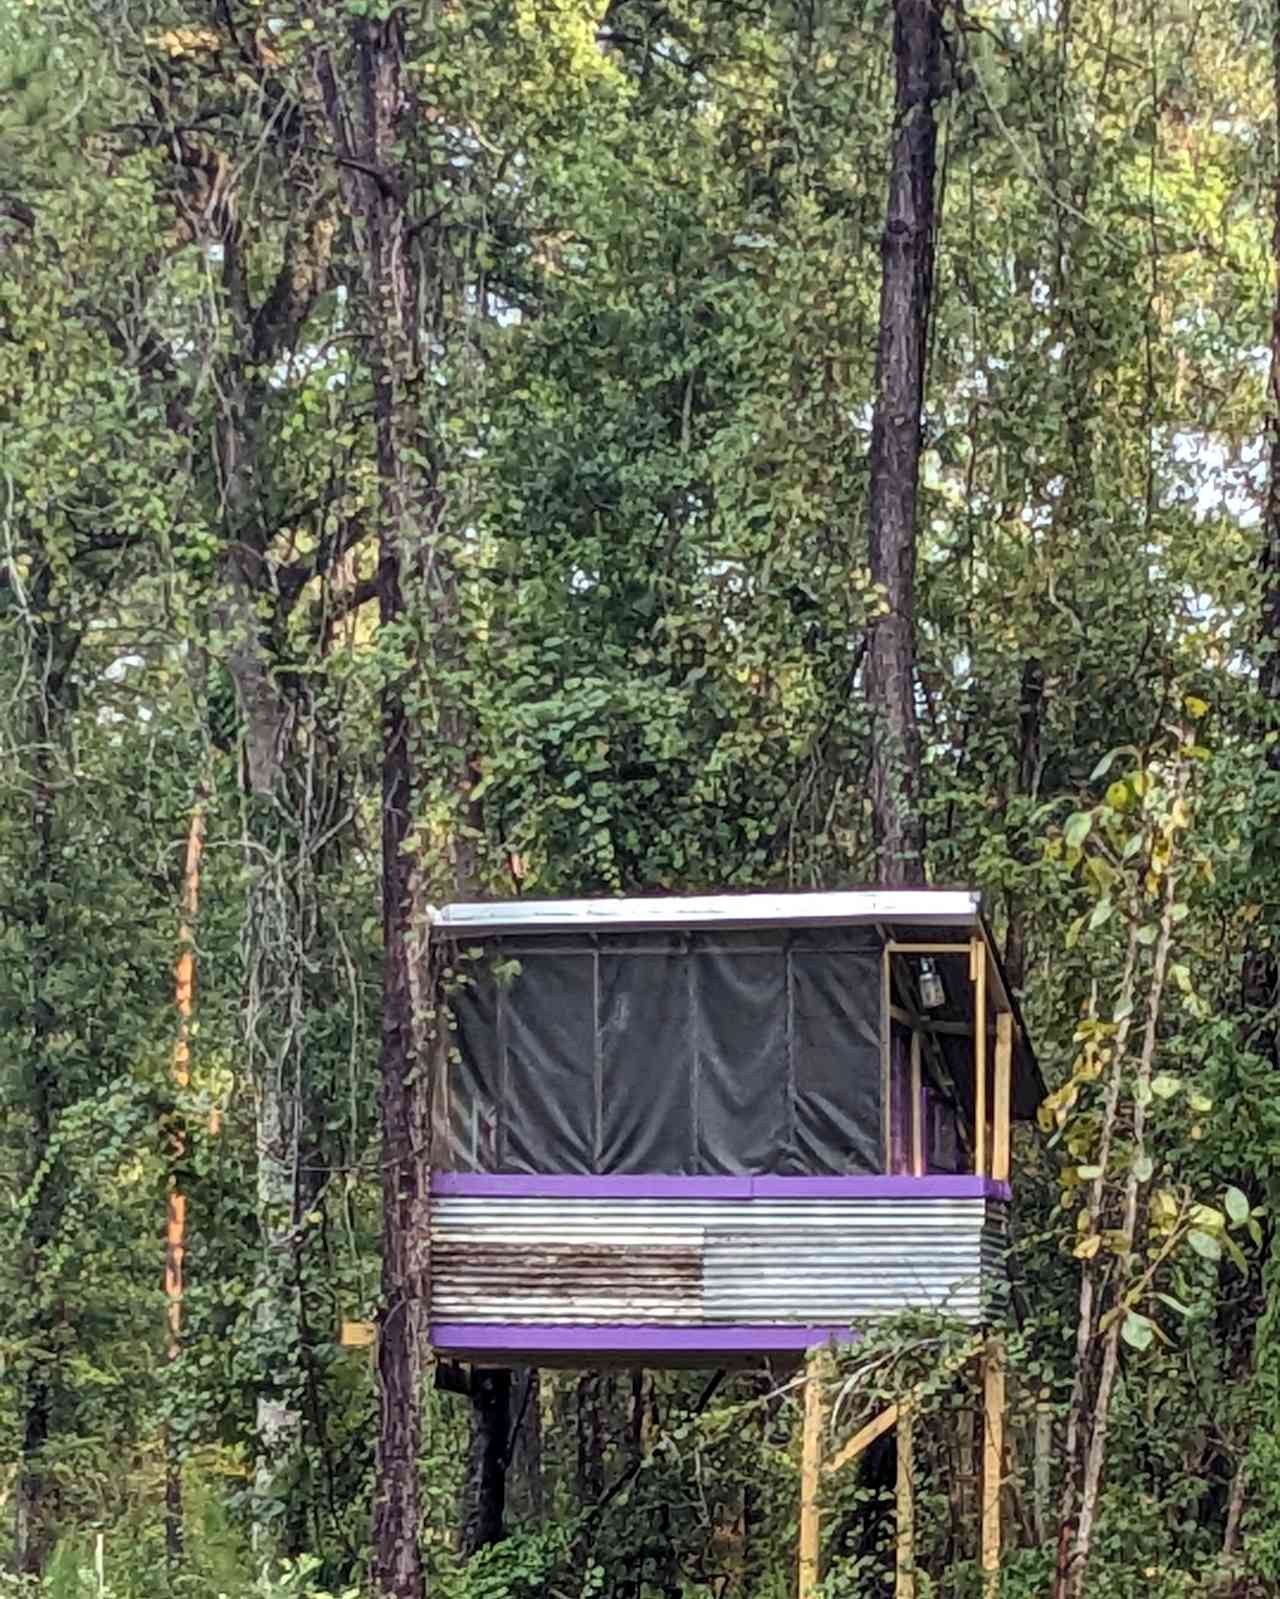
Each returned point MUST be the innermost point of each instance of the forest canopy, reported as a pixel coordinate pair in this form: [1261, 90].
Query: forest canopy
[538, 448]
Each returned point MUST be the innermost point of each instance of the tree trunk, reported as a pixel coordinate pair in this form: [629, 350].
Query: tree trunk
[1260, 976]
[484, 1508]
[526, 1445]
[176, 1218]
[1030, 719]
[33, 1531]
[1269, 671]
[270, 1012]
[905, 290]
[590, 1438]
[367, 139]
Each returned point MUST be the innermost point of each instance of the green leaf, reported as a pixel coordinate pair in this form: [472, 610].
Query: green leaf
[1088, 1173]
[1077, 828]
[1137, 1331]
[1144, 1168]
[1237, 1205]
[1205, 1244]
[1165, 1086]
[1104, 765]
[1174, 1304]
[1101, 914]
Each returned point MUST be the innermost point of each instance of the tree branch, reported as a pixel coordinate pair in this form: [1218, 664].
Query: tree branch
[292, 579]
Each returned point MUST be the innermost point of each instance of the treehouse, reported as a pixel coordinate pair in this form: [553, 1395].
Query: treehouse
[705, 1130]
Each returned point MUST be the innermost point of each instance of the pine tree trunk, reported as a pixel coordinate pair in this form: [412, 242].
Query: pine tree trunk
[906, 288]
[31, 1536]
[33, 1531]
[1269, 671]
[526, 1486]
[367, 136]
[484, 1506]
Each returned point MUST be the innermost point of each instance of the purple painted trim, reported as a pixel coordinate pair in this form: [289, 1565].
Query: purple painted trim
[939, 1187]
[575, 1338]
[510, 1185]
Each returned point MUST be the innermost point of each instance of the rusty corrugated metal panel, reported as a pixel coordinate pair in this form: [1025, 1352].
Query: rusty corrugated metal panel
[706, 1262]
[609, 1282]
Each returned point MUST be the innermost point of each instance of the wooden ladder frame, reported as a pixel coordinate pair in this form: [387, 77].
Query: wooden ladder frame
[988, 1350]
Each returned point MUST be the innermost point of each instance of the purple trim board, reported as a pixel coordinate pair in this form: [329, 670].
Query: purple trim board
[527, 1339]
[511, 1185]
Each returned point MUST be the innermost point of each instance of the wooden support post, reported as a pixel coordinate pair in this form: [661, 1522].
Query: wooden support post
[811, 1474]
[978, 972]
[993, 1400]
[905, 1563]
[1004, 1076]
[917, 1109]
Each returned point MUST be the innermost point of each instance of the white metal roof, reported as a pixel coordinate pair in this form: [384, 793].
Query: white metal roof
[929, 907]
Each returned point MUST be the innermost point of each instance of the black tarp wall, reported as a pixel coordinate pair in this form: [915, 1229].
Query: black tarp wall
[708, 1051]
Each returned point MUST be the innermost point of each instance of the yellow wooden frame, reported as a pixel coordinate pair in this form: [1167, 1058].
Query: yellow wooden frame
[992, 1108]
[917, 1119]
[978, 975]
[1002, 1132]
[902, 1414]
[811, 1473]
[992, 1134]
[993, 1412]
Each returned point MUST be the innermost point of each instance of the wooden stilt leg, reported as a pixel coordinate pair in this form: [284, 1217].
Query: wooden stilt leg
[811, 1475]
[992, 1462]
[905, 1584]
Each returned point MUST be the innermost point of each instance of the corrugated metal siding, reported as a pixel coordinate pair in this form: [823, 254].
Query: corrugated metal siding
[995, 1250]
[708, 1262]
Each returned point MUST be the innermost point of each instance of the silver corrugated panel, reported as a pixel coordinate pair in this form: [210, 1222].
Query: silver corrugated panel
[995, 1251]
[687, 1217]
[688, 1262]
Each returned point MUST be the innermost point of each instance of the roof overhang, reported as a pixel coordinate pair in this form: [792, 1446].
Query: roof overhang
[916, 907]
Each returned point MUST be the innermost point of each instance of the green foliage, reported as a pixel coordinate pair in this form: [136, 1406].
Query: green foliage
[645, 250]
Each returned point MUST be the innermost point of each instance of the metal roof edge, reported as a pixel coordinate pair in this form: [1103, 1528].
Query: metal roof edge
[927, 906]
